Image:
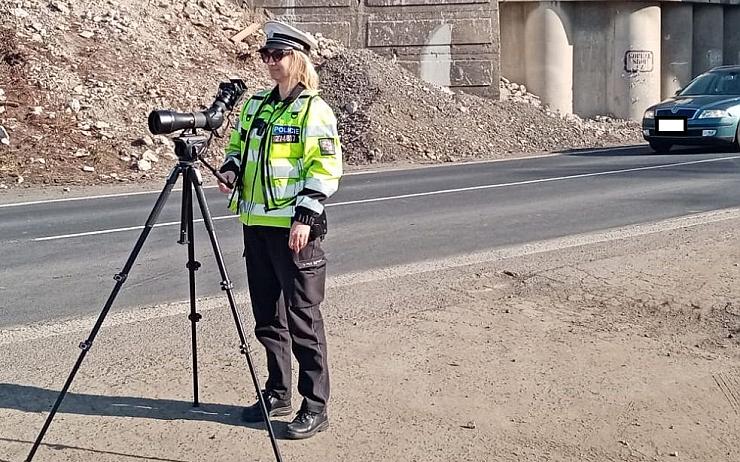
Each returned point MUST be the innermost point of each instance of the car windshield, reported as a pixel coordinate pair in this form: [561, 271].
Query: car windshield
[714, 83]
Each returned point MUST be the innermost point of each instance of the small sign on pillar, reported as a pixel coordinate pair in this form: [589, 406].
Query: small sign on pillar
[638, 61]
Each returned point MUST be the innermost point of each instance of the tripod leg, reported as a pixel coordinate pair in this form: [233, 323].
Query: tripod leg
[186, 192]
[120, 278]
[227, 286]
[192, 266]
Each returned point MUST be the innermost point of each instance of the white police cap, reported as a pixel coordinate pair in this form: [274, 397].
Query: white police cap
[284, 36]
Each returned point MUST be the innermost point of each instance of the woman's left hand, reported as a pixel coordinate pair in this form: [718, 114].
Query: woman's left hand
[298, 236]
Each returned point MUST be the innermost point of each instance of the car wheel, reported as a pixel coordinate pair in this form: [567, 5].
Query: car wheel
[660, 147]
[736, 143]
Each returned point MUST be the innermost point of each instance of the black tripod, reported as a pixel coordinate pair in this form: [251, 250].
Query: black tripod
[188, 147]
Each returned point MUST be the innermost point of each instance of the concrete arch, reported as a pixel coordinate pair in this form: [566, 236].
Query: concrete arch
[549, 56]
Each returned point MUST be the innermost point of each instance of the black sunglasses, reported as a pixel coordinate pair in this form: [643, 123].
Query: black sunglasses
[276, 55]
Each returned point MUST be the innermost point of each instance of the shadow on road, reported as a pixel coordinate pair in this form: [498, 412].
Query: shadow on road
[40, 400]
[629, 150]
[89, 450]
[644, 149]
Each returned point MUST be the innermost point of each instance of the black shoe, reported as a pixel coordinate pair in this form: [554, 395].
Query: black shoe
[306, 424]
[275, 407]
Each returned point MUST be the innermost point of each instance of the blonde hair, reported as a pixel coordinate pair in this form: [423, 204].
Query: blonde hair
[302, 70]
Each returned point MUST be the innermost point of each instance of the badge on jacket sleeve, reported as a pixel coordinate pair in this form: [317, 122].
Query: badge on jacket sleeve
[326, 146]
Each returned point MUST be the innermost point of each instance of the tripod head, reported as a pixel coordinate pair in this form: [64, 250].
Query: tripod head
[190, 147]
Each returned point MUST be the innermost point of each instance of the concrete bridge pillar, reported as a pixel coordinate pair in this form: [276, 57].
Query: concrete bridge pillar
[549, 56]
[513, 18]
[677, 29]
[591, 37]
[634, 59]
[708, 37]
[731, 49]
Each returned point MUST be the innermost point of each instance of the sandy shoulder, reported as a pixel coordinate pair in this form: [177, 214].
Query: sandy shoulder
[620, 350]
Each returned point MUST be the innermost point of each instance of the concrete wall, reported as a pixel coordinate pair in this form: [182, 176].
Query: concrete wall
[606, 57]
[731, 45]
[589, 57]
[677, 26]
[512, 39]
[708, 37]
[453, 43]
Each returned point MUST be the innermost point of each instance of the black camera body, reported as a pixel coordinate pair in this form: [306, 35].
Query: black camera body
[229, 93]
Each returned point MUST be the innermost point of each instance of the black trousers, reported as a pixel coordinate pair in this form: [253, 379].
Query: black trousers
[286, 289]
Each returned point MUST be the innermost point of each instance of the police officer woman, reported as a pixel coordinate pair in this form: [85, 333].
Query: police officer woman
[284, 159]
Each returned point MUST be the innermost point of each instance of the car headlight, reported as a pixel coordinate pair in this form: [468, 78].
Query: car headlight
[649, 114]
[713, 114]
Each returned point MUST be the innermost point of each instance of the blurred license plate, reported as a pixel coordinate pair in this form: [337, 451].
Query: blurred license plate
[670, 124]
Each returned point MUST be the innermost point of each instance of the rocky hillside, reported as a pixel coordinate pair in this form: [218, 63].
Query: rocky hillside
[387, 114]
[78, 79]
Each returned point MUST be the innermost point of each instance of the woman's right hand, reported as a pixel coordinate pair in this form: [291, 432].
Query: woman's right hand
[230, 177]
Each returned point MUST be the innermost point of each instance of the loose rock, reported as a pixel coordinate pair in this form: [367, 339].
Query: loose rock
[74, 105]
[352, 107]
[150, 156]
[60, 7]
[4, 137]
[470, 425]
[144, 141]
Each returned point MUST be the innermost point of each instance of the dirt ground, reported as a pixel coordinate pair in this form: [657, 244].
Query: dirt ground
[619, 348]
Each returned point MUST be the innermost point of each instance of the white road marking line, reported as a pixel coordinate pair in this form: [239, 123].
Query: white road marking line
[364, 172]
[406, 196]
[84, 198]
[45, 329]
[492, 161]
[540, 180]
[116, 230]
[133, 406]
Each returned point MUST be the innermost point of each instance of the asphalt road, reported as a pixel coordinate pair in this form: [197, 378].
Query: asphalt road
[57, 259]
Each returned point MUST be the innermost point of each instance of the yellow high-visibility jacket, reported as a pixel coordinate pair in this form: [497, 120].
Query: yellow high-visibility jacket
[287, 156]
